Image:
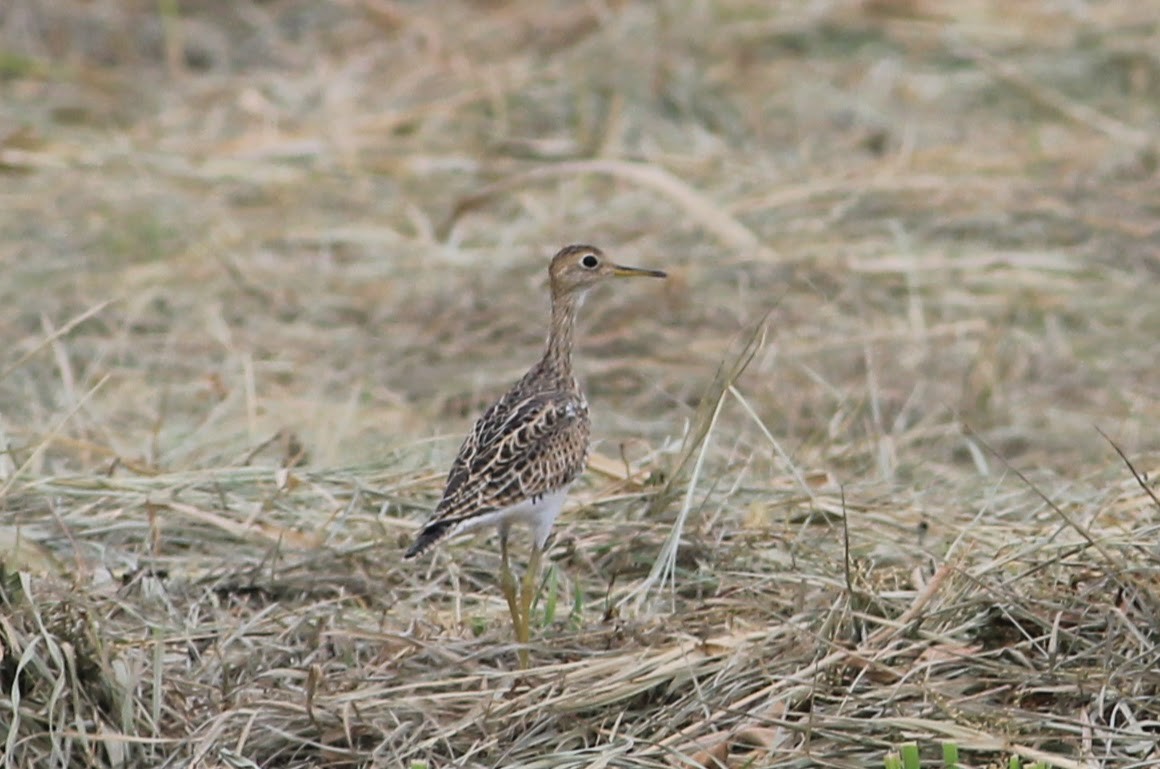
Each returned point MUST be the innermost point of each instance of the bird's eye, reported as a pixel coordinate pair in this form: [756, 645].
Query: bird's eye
[590, 261]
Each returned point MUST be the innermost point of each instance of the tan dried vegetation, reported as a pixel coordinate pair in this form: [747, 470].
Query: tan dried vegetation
[264, 261]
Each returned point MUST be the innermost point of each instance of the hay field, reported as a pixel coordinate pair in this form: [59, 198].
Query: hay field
[875, 464]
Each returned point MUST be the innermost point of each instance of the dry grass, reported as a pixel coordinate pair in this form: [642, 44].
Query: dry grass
[263, 262]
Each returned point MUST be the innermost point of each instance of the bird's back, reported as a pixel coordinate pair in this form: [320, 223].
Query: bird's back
[530, 443]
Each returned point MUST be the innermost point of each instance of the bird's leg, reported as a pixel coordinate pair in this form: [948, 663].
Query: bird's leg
[507, 582]
[528, 592]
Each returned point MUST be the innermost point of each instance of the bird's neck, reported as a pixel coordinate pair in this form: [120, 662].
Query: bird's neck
[558, 354]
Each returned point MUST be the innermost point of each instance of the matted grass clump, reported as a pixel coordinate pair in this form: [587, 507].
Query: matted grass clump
[876, 465]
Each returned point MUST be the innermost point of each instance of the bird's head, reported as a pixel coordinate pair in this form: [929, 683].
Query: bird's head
[575, 269]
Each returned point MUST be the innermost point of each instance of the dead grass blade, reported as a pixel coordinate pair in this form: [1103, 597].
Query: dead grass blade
[1063, 515]
[714, 218]
[1140, 480]
[52, 435]
[53, 337]
[697, 443]
[1078, 113]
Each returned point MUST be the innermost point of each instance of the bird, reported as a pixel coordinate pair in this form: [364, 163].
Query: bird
[517, 463]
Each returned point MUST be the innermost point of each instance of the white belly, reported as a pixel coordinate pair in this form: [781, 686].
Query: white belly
[539, 515]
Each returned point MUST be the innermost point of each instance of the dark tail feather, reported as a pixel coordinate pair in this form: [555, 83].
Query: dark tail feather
[431, 533]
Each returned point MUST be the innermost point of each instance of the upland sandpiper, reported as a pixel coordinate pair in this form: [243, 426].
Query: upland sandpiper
[516, 464]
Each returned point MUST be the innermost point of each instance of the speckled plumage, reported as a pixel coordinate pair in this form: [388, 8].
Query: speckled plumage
[518, 461]
[531, 442]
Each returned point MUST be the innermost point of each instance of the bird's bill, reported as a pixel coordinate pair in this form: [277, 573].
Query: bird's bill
[621, 271]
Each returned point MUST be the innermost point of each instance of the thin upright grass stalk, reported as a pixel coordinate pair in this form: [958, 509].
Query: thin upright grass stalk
[781, 452]
[170, 14]
[1140, 480]
[53, 433]
[702, 421]
[68, 381]
[696, 445]
[28, 657]
[55, 335]
[551, 596]
[158, 689]
[664, 567]
[1112, 561]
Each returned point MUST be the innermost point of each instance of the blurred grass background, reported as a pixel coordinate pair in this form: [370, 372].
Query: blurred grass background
[263, 263]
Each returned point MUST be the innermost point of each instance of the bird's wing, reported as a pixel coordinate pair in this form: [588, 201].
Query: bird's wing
[524, 446]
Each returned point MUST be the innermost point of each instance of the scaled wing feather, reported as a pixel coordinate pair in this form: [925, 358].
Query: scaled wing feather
[524, 446]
